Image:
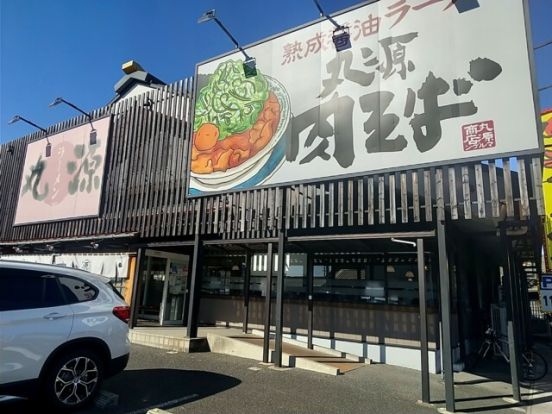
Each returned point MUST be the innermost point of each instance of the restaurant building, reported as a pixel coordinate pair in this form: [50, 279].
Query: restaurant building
[377, 201]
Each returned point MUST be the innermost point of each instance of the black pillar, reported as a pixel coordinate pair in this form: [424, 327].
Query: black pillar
[135, 289]
[423, 320]
[279, 302]
[446, 344]
[310, 298]
[510, 289]
[246, 276]
[195, 286]
[266, 338]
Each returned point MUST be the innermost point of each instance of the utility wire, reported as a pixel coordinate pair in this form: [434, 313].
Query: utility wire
[543, 45]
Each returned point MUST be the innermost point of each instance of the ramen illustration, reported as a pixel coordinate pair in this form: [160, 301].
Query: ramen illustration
[238, 122]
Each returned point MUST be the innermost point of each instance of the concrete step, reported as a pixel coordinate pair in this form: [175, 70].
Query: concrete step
[334, 352]
[251, 346]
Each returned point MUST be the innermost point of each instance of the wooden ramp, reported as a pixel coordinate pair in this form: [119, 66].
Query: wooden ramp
[293, 355]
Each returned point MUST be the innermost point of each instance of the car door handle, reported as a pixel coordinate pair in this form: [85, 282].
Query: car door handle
[53, 316]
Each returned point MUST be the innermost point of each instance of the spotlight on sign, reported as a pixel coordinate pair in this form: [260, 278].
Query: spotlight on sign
[341, 39]
[249, 67]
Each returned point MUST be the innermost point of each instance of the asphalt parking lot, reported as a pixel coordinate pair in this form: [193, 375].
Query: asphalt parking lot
[213, 383]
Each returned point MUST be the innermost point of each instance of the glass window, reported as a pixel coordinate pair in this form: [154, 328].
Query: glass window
[77, 290]
[25, 289]
[402, 282]
[223, 275]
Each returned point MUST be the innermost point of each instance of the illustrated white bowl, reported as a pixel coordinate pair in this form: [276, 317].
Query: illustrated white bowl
[240, 173]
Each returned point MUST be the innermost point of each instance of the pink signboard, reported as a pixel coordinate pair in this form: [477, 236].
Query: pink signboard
[67, 183]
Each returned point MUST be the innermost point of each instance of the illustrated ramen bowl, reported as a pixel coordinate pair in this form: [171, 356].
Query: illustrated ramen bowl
[221, 163]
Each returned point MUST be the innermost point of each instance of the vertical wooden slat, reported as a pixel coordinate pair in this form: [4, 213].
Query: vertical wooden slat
[322, 216]
[242, 212]
[404, 199]
[480, 190]
[185, 131]
[415, 198]
[229, 213]
[296, 206]
[331, 204]
[360, 201]
[466, 192]
[223, 203]
[493, 182]
[210, 205]
[381, 199]
[305, 203]
[140, 155]
[523, 192]
[131, 164]
[340, 203]
[508, 193]
[202, 216]
[180, 183]
[278, 211]
[350, 202]
[439, 194]
[537, 185]
[162, 167]
[216, 211]
[371, 202]
[452, 193]
[428, 197]
[287, 211]
[170, 177]
[145, 179]
[153, 168]
[313, 210]
[236, 214]
[392, 201]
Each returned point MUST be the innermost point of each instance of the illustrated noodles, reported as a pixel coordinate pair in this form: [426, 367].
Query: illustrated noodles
[235, 118]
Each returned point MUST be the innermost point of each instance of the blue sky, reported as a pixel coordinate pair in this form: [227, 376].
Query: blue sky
[75, 48]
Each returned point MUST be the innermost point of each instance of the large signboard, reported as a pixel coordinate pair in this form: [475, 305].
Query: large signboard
[546, 119]
[424, 82]
[68, 183]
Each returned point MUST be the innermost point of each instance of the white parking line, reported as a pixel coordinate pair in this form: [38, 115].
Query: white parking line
[162, 405]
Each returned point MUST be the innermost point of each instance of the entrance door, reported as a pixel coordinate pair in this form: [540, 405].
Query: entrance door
[153, 283]
[174, 295]
[164, 288]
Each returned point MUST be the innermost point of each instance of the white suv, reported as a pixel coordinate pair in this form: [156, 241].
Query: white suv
[62, 331]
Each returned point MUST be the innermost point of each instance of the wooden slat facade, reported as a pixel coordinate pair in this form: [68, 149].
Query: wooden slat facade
[144, 188]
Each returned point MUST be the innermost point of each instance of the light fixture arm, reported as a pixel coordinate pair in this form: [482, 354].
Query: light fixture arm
[20, 118]
[232, 38]
[61, 100]
[327, 16]
[210, 15]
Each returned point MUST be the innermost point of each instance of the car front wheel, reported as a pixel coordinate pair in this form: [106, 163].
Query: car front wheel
[73, 379]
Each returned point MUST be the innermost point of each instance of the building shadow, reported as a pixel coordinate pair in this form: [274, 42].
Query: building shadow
[140, 390]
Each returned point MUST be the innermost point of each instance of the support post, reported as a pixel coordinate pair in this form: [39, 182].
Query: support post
[195, 284]
[423, 321]
[446, 344]
[268, 298]
[510, 311]
[246, 276]
[279, 301]
[310, 298]
[135, 289]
